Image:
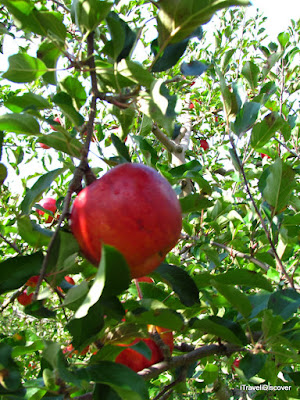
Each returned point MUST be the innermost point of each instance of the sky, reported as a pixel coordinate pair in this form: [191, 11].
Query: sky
[278, 13]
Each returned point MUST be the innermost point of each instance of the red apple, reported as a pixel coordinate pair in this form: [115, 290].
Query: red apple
[48, 203]
[236, 363]
[204, 144]
[57, 119]
[25, 299]
[146, 279]
[70, 280]
[44, 146]
[264, 155]
[132, 208]
[135, 360]
[191, 106]
[32, 281]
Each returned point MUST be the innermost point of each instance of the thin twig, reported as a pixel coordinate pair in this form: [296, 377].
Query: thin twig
[236, 253]
[278, 260]
[12, 245]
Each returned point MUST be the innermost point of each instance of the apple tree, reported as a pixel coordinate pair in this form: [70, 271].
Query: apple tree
[196, 91]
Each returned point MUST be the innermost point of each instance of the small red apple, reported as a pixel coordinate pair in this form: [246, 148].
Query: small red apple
[191, 106]
[70, 280]
[25, 299]
[132, 208]
[264, 155]
[48, 203]
[57, 119]
[236, 363]
[204, 144]
[44, 146]
[32, 281]
[135, 360]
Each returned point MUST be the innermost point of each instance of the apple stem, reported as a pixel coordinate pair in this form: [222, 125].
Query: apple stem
[138, 289]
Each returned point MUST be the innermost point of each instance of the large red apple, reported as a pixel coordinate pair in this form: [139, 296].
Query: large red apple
[135, 360]
[132, 208]
[24, 298]
[48, 203]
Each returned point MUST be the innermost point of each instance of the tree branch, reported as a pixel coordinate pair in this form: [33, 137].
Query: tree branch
[169, 144]
[236, 253]
[278, 260]
[12, 245]
[186, 359]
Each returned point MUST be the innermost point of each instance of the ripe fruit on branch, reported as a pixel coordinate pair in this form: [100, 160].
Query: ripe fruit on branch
[32, 281]
[57, 119]
[70, 280]
[44, 146]
[25, 299]
[48, 203]
[133, 209]
[204, 144]
[264, 155]
[146, 279]
[137, 361]
[236, 363]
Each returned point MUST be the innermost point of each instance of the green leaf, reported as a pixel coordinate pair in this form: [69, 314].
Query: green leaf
[251, 364]
[52, 25]
[276, 184]
[251, 72]
[120, 147]
[24, 68]
[27, 101]
[210, 373]
[271, 324]
[194, 202]
[135, 72]
[105, 284]
[64, 101]
[284, 303]
[191, 170]
[109, 78]
[85, 329]
[125, 382]
[234, 277]
[19, 123]
[159, 105]
[126, 118]
[122, 38]
[229, 98]
[64, 142]
[181, 282]
[263, 131]
[283, 39]
[271, 61]
[236, 298]
[146, 149]
[193, 68]
[48, 52]
[37, 310]
[87, 14]
[32, 233]
[34, 194]
[157, 316]
[220, 327]
[15, 271]
[75, 90]
[177, 19]
[246, 117]
[170, 56]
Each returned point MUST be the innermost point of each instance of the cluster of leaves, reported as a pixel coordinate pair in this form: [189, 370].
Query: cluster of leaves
[231, 287]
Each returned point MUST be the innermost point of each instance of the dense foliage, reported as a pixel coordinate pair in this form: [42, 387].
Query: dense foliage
[214, 109]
